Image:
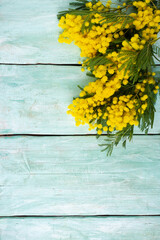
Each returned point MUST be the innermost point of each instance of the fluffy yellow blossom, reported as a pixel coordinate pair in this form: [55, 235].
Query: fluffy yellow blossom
[112, 101]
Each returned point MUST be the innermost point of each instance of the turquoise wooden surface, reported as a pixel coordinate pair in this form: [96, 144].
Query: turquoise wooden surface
[63, 175]
[112, 228]
[70, 176]
[36, 95]
[29, 32]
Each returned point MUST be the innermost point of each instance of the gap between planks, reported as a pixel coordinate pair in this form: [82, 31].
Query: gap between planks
[80, 216]
[38, 64]
[70, 135]
[50, 64]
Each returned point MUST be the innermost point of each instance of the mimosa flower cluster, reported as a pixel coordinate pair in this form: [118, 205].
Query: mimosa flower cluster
[116, 46]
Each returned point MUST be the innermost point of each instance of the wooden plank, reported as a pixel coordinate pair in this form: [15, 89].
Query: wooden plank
[29, 32]
[110, 228]
[34, 99]
[70, 176]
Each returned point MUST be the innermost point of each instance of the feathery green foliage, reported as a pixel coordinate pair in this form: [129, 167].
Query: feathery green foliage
[137, 63]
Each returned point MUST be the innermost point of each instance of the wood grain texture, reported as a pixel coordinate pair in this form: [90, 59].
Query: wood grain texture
[70, 176]
[29, 32]
[34, 99]
[110, 228]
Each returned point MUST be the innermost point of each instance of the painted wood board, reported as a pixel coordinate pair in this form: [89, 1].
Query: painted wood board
[34, 99]
[71, 176]
[29, 32]
[102, 228]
